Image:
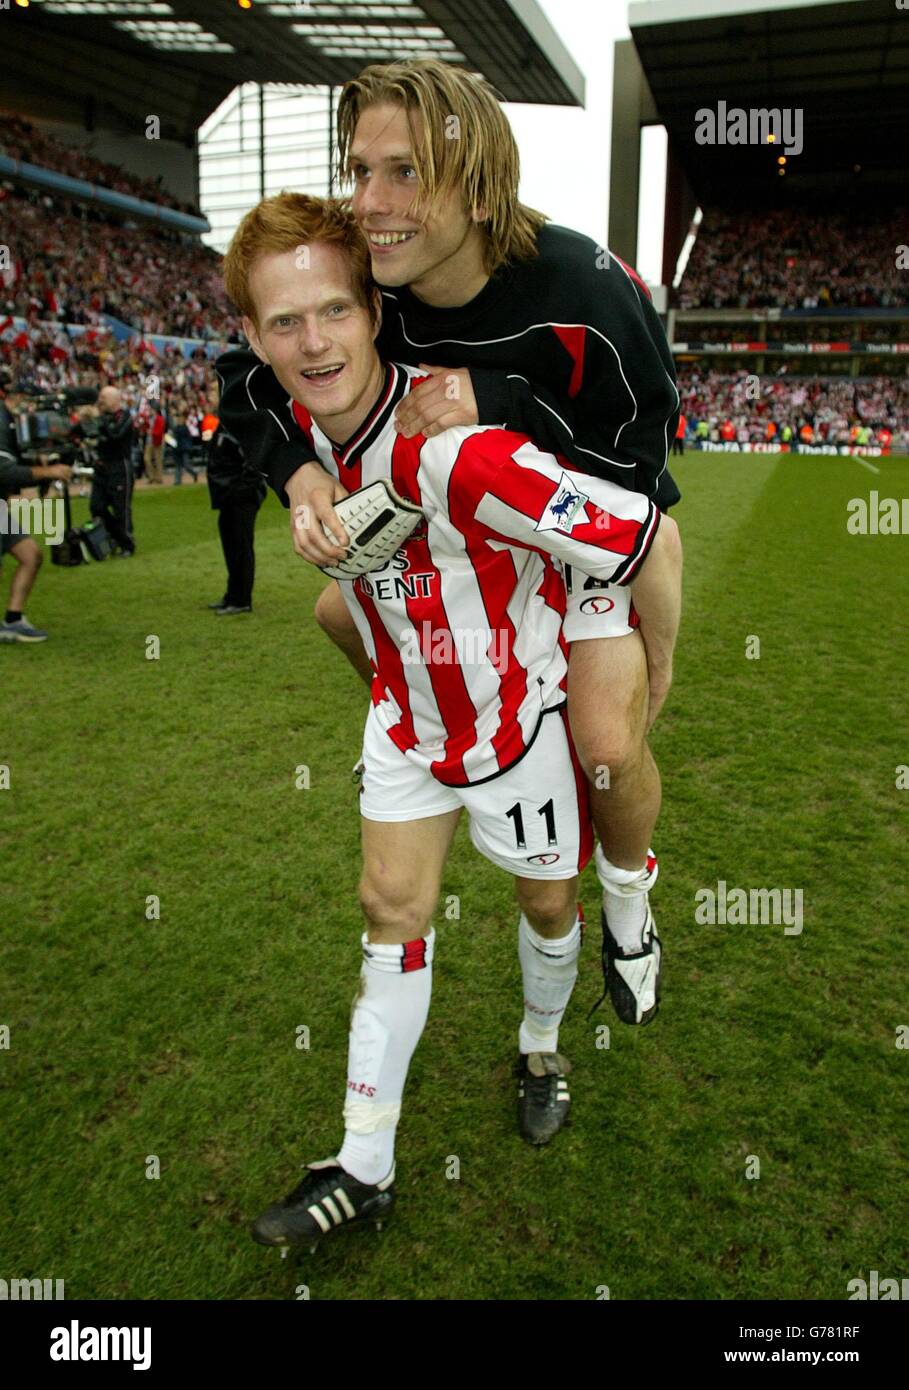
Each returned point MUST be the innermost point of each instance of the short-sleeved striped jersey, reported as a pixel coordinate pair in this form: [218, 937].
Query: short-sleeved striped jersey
[463, 625]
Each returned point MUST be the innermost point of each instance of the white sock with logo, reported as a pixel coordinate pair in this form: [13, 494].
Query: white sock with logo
[388, 1017]
[549, 969]
[625, 899]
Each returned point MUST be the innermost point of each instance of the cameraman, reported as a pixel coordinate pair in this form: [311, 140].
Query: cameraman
[112, 486]
[13, 540]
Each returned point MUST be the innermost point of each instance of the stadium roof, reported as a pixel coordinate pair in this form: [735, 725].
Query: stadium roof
[843, 63]
[114, 62]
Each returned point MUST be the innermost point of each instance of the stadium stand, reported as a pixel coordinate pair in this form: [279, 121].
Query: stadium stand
[795, 258]
[19, 139]
[87, 296]
[834, 408]
[765, 293]
[87, 291]
[73, 264]
[776, 333]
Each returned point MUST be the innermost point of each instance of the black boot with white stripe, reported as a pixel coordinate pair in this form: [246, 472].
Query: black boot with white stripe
[543, 1098]
[631, 977]
[328, 1198]
[633, 981]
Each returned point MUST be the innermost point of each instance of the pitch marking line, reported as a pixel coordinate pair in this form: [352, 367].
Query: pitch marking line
[865, 464]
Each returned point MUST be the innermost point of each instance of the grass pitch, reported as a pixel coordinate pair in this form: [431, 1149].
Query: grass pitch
[176, 1038]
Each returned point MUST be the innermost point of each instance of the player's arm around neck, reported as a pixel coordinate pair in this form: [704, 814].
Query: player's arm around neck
[657, 596]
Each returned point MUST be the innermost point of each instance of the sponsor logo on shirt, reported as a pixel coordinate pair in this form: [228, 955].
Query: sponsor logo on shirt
[385, 583]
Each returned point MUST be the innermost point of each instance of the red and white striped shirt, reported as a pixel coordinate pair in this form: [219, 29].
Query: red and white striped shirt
[463, 625]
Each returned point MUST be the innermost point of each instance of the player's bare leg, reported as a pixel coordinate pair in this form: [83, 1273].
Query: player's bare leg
[399, 889]
[402, 874]
[28, 557]
[15, 626]
[549, 904]
[333, 617]
[607, 710]
[607, 706]
[549, 940]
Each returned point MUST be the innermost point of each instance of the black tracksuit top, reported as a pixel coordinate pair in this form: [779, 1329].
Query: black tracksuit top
[566, 348]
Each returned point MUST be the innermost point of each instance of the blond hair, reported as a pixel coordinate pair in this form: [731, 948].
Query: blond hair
[284, 222]
[467, 143]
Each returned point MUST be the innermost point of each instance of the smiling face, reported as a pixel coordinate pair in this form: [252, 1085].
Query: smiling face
[438, 254]
[316, 335]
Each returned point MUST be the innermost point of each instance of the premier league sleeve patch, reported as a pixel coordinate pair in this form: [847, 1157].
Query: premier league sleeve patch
[565, 509]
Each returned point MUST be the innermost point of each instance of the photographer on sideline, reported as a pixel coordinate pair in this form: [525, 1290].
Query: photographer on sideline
[13, 540]
[112, 486]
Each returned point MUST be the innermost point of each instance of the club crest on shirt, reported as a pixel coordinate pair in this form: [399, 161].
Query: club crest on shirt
[564, 508]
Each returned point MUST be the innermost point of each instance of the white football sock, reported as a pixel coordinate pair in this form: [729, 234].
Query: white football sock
[549, 968]
[625, 899]
[388, 1016]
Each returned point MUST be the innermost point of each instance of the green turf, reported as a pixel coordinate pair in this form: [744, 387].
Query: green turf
[175, 1038]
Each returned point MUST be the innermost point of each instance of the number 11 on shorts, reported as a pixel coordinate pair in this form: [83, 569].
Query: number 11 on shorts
[516, 815]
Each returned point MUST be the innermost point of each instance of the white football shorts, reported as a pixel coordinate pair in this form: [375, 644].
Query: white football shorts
[595, 608]
[532, 821]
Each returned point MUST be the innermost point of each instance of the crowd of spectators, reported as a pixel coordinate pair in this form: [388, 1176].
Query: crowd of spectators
[73, 263]
[796, 259]
[792, 331]
[19, 139]
[46, 360]
[833, 408]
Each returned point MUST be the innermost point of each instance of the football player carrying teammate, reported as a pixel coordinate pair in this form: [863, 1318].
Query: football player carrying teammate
[541, 331]
[463, 629]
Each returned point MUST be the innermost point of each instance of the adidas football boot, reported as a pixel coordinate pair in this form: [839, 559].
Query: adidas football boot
[543, 1097]
[327, 1199]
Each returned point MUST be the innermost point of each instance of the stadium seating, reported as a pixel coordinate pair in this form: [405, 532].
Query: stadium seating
[19, 139]
[831, 405]
[72, 264]
[795, 258]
